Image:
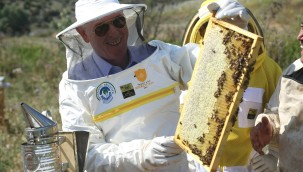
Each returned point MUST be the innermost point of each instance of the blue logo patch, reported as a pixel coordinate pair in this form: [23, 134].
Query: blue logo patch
[105, 92]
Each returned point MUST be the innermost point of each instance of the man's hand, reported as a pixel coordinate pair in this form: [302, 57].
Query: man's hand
[230, 11]
[160, 152]
[261, 135]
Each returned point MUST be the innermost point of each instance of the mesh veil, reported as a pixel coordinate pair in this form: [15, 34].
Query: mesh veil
[77, 49]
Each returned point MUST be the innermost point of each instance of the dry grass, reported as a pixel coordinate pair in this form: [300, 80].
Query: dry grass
[34, 65]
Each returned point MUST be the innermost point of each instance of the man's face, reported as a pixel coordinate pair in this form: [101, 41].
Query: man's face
[112, 44]
[300, 38]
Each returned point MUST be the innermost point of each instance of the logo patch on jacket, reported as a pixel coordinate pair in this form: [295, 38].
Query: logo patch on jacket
[105, 92]
[252, 113]
[140, 74]
[127, 90]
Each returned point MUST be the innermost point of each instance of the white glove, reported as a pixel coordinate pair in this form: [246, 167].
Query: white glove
[161, 152]
[230, 11]
[267, 162]
[199, 167]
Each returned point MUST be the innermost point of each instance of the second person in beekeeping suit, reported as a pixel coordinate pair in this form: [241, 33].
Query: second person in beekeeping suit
[237, 152]
[281, 124]
[123, 91]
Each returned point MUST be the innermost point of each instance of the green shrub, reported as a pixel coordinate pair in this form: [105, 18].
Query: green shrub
[14, 20]
[34, 65]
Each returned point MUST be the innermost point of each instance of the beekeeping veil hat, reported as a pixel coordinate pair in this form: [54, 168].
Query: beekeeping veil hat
[89, 10]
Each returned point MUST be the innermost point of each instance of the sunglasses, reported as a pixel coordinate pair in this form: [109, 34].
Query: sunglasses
[102, 29]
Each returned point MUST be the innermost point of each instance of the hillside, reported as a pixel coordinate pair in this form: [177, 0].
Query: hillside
[280, 21]
[32, 62]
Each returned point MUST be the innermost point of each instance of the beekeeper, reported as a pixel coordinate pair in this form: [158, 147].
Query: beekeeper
[281, 124]
[238, 152]
[123, 91]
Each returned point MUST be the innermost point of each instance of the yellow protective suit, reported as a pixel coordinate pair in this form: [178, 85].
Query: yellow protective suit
[262, 84]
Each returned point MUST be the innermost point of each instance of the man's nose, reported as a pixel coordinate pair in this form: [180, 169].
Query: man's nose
[300, 35]
[112, 29]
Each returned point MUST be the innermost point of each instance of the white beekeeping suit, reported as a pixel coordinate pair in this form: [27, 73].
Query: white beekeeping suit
[131, 115]
[285, 113]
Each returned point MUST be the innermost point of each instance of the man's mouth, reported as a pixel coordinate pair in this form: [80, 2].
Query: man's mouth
[115, 42]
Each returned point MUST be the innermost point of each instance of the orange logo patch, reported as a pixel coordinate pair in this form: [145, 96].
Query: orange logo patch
[140, 74]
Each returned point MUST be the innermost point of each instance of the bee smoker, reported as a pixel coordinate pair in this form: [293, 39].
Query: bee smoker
[49, 150]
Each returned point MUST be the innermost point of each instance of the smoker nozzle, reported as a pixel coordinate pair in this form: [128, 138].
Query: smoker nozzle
[35, 119]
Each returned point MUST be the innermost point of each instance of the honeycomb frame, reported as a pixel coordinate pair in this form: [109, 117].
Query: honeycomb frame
[214, 94]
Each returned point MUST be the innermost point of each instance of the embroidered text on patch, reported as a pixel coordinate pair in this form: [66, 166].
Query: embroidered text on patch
[141, 76]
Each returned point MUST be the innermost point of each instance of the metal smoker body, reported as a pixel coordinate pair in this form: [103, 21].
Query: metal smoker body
[47, 149]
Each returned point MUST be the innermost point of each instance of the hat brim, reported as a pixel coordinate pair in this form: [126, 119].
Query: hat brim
[107, 11]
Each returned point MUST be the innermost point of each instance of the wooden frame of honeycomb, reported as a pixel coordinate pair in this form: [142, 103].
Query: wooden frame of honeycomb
[221, 75]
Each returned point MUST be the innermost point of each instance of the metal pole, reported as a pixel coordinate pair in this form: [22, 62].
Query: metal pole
[1, 106]
[3, 85]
